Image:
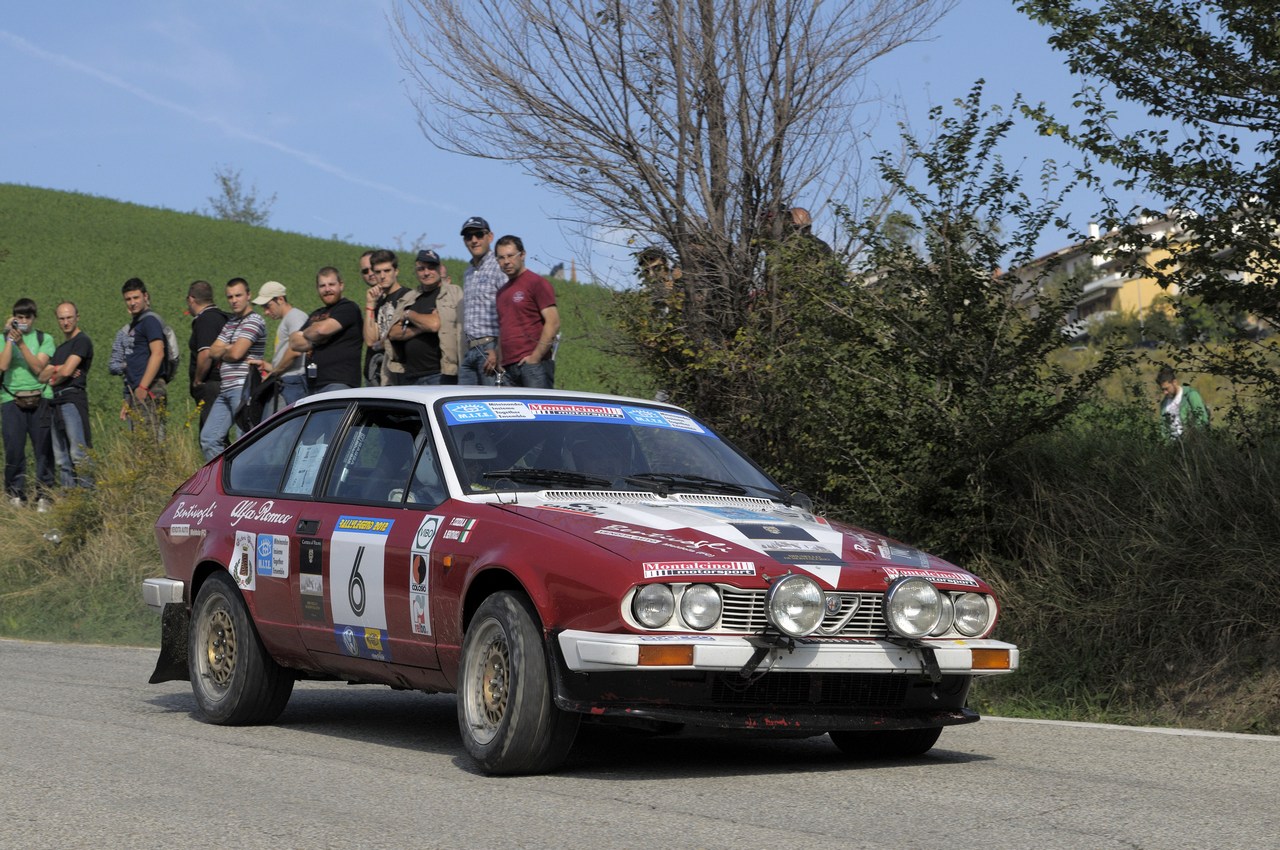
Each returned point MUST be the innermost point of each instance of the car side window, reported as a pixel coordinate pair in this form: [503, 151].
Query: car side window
[258, 467]
[376, 456]
[308, 455]
[426, 487]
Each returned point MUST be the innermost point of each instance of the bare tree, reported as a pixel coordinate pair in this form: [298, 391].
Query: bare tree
[686, 122]
[235, 202]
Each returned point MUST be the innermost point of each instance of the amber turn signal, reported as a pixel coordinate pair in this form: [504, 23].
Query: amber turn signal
[990, 659]
[666, 655]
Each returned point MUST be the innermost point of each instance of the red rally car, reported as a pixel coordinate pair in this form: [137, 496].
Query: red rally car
[553, 558]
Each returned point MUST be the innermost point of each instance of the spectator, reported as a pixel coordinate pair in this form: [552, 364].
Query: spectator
[24, 405]
[380, 304]
[206, 323]
[331, 337]
[286, 365]
[481, 282]
[366, 269]
[528, 320]
[424, 340]
[801, 225]
[1181, 408]
[141, 347]
[242, 338]
[67, 375]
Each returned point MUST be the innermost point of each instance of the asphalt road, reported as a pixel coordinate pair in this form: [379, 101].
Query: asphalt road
[93, 756]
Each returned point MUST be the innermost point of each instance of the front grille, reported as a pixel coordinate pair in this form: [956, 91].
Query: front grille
[744, 612]
[844, 690]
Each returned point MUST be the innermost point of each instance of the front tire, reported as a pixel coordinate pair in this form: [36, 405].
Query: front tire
[235, 681]
[506, 714]
[892, 743]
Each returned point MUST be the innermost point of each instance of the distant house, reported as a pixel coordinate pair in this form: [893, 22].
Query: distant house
[1106, 288]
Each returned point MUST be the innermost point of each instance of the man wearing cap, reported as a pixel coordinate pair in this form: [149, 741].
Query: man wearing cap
[286, 364]
[206, 323]
[424, 340]
[242, 339]
[481, 282]
[528, 319]
[331, 337]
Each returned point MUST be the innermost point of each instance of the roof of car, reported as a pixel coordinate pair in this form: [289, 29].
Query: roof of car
[429, 394]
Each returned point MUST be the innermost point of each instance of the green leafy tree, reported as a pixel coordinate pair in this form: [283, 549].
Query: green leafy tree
[237, 202]
[888, 389]
[1206, 76]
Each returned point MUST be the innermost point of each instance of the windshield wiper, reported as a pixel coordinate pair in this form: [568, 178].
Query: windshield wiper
[554, 477]
[664, 483]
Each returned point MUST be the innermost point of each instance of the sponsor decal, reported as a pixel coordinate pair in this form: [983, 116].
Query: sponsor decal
[803, 557]
[364, 525]
[460, 412]
[659, 538]
[772, 531]
[363, 642]
[243, 564]
[676, 569]
[729, 513]
[935, 576]
[580, 508]
[309, 551]
[664, 419]
[250, 509]
[420, 573]
[182, 530]
[675, 638]
[199, 515]
[591, 411]
[357, 566]
[273, 555]
[902, 555]
[312, 588]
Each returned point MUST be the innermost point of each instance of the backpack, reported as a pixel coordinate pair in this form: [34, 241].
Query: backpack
[173, 354]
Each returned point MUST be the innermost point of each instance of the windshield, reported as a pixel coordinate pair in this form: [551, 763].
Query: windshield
[538, 444]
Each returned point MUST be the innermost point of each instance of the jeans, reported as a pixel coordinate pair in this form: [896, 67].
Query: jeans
[540, 375]
[292, 388]
[471, 369]
[16, 425]
[68, 433]
[427, 380]
[213, 436]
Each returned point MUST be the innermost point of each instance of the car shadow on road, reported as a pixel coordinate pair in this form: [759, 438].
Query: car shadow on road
[413, 720]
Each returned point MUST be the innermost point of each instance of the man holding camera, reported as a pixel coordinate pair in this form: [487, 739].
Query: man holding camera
[24, 405]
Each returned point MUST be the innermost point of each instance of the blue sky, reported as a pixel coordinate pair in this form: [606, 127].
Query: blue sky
[140, 100]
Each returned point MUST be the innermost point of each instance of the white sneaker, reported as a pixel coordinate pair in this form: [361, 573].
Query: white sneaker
[15, 501]
[42, 505]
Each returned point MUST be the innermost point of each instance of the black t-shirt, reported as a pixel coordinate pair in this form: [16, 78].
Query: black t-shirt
[204, 331]
[79, 344]
[337, 360]
[422, 352]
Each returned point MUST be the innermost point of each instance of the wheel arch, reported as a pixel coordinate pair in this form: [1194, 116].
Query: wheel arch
[488, 582]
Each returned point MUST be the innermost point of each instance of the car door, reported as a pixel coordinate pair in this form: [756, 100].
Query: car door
[368, 534]
[271, 476]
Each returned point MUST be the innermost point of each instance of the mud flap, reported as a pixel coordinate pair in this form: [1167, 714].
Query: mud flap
[171, 666]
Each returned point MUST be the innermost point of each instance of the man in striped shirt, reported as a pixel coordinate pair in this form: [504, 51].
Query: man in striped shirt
[243, 338]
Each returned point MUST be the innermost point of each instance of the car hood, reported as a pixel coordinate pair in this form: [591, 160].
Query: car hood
[738, 540]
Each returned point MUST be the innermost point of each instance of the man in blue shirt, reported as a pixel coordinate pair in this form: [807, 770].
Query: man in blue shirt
[143, 352]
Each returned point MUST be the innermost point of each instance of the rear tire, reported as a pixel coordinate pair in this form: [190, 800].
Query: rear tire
[506, 714]
[235, 681]
[892, 743]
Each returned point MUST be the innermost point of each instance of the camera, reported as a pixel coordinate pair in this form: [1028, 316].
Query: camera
[22, 327]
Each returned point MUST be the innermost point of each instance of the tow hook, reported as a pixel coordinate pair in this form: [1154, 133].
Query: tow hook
[928, 659]
[775, 642]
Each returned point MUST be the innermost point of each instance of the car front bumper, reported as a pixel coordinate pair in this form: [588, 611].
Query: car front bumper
[607, 652]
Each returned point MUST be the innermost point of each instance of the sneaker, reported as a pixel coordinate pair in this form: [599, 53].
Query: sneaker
[15, 501]
[42, 505]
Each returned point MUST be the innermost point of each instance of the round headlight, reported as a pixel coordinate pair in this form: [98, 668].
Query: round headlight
[700, 606]
[948, 616]
[794, 605]
[973, 615]
[912, 607]
[653, 605]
